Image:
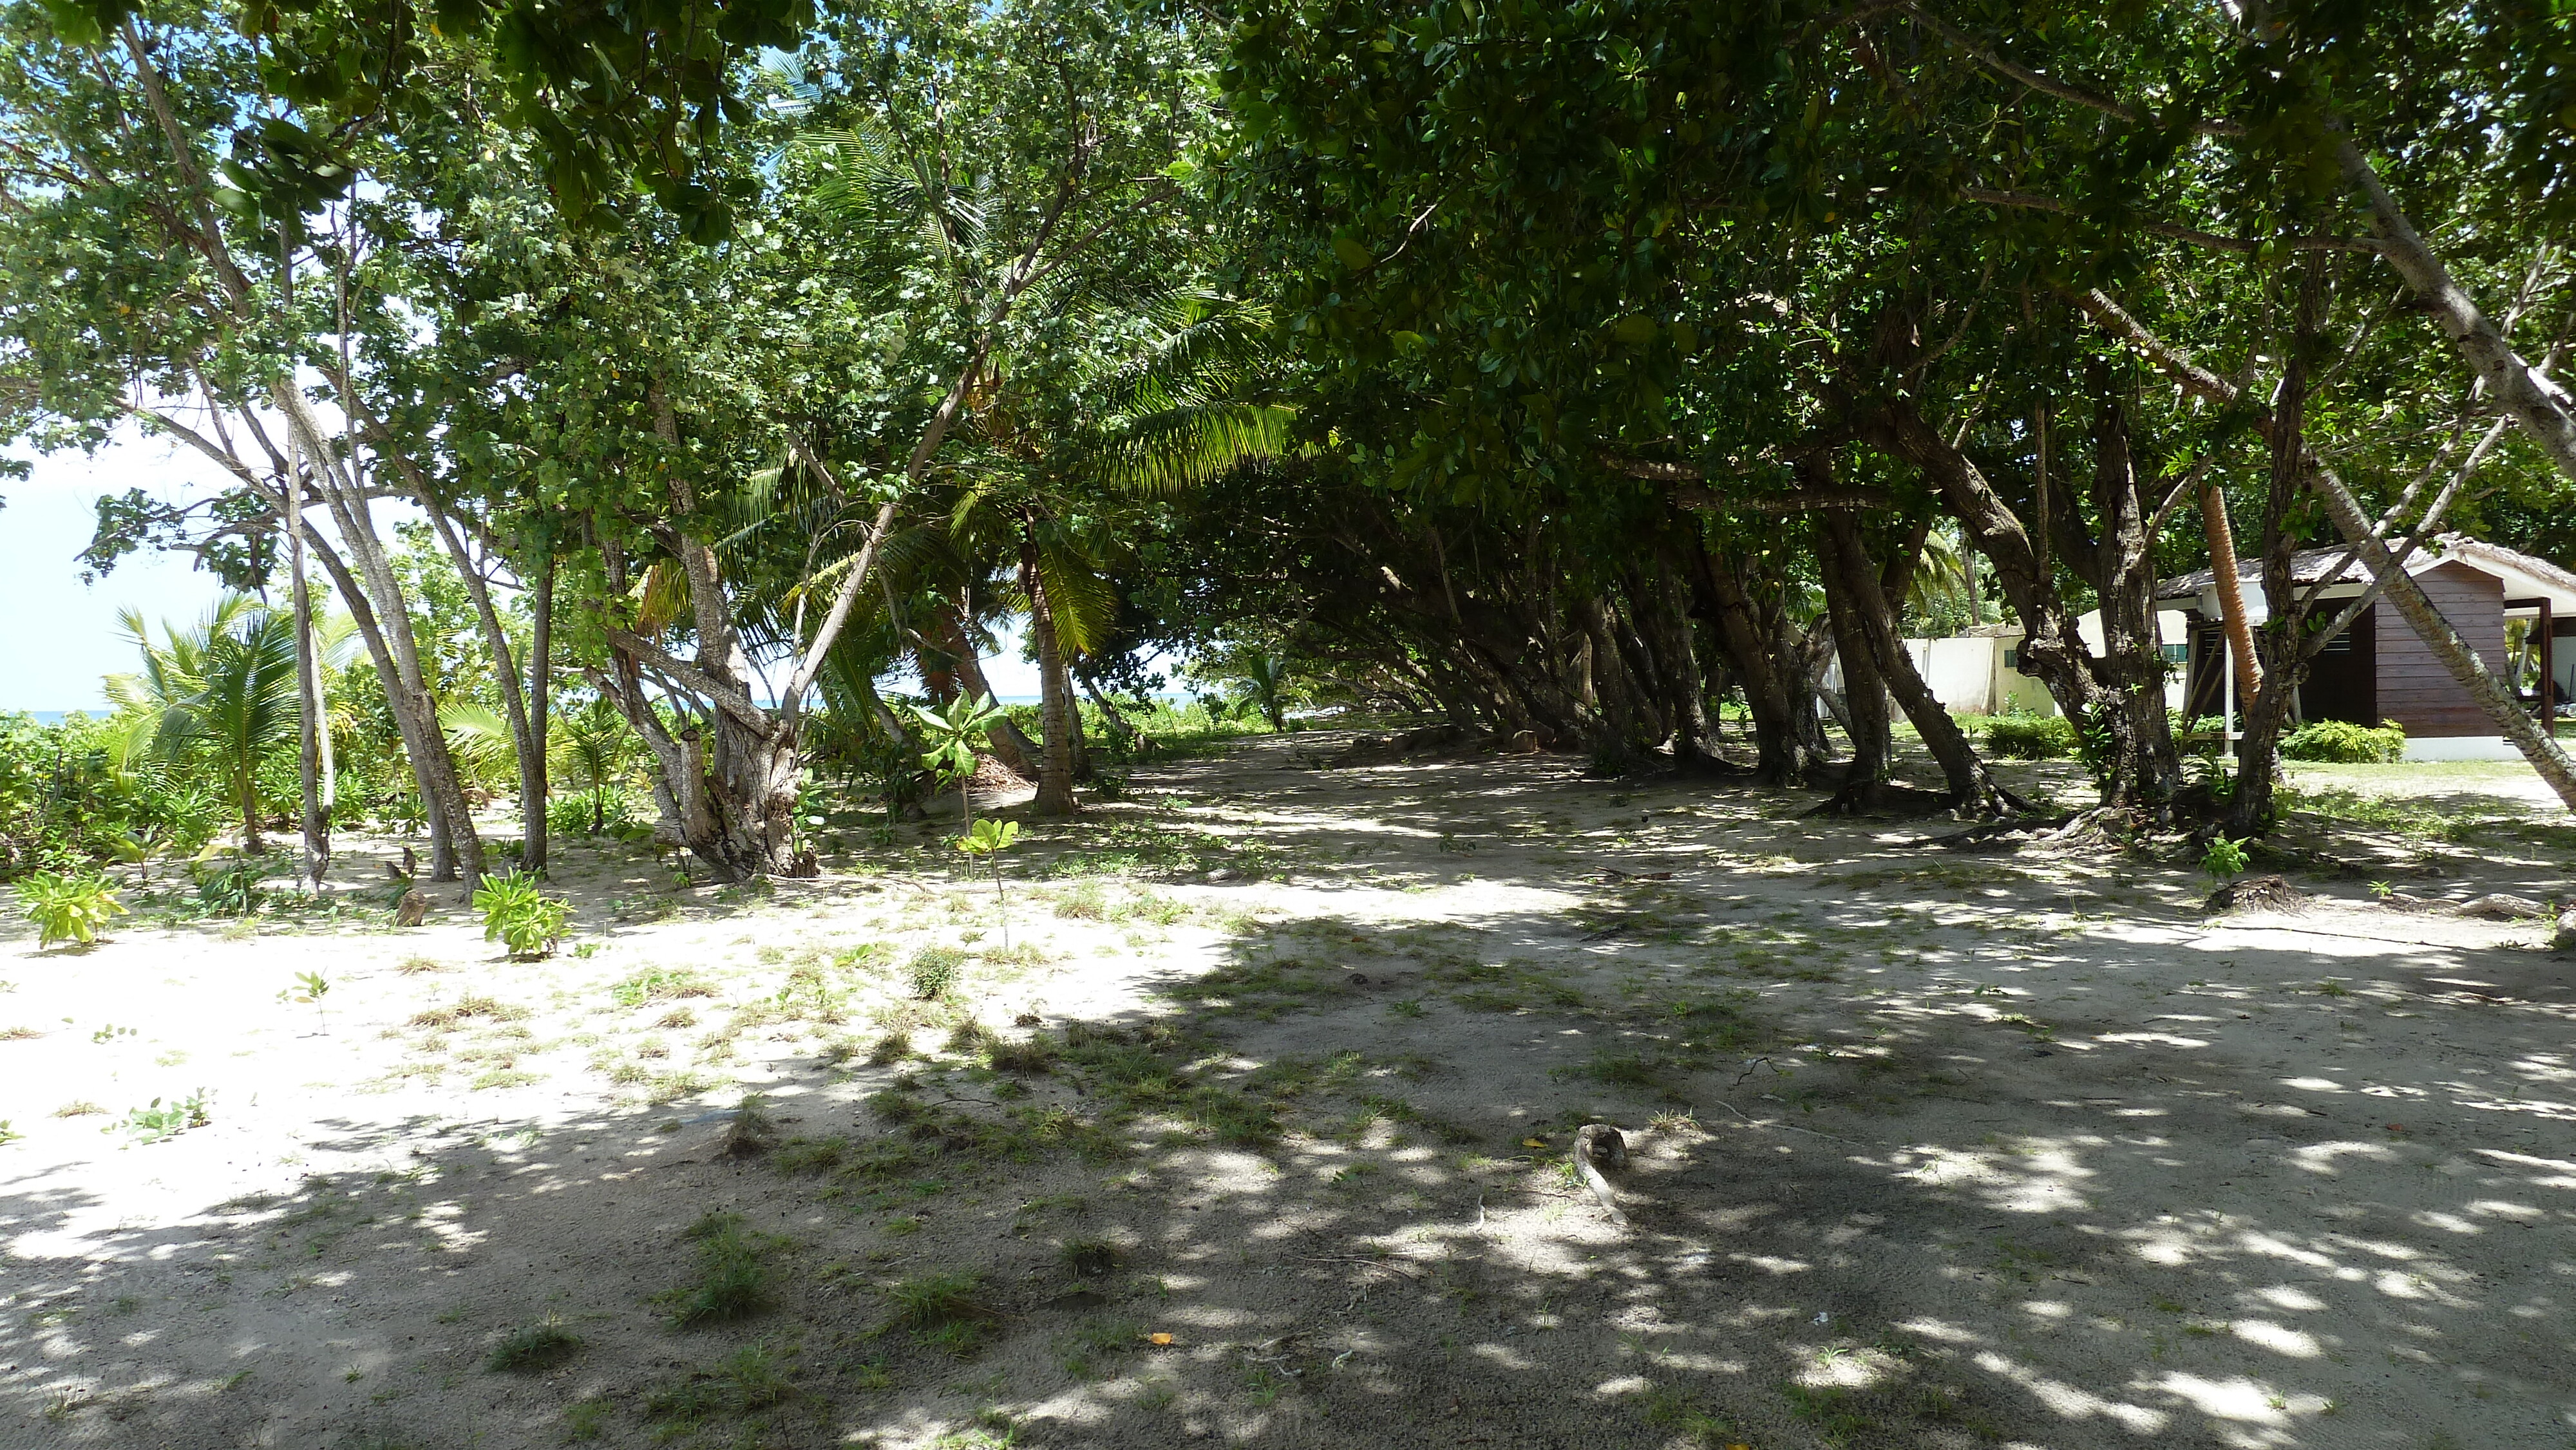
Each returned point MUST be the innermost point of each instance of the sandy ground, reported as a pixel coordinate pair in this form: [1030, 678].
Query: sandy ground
[1258, 1138]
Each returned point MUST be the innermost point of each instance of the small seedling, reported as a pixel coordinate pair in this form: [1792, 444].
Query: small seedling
[951, 733]
[309, 988]
[156, 1124]
[2224, 860]
[989, 839]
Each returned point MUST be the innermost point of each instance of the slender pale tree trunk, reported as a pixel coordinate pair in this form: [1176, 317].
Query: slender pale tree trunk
[533, 783]
[311, 730]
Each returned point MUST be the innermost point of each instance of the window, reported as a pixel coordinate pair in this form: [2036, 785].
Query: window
[2012, 657]
[2175, 654]
[2339, 645]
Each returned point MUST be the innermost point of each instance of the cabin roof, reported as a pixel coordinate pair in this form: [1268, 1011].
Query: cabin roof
[2523, 575]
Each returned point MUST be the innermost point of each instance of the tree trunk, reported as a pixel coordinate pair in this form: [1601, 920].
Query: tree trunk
[534, 785]
[247, 766]
[1971, 787]
[407, 689]
[2227, 581]
[1009, 743]
[1864, 705]
[311, 728]
[1055, 765]
[2140, 768]
[406, 724]
[2052, 649]
[2530, 396]
[1781, 749]
[2402, 592]
[505, 669]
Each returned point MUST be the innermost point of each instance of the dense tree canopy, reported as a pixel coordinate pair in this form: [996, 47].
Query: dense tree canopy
[1627, 377]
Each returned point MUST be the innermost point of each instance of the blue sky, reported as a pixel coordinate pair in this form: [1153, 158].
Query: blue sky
[63, 634]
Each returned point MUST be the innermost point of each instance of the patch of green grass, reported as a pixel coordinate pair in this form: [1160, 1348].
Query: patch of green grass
[1677, 1412]
[1089, 1258]
[586, 1420]
[670, 1087]
[735, 1280]
[809, 1155]
[941, 1310]
[1080, 1352]
[533, 1347]
[742, 1383]
[466, 1008]
[1397, 1110]
[1833, 1410]
[1029, 1058]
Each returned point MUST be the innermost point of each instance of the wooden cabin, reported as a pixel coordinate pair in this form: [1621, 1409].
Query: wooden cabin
[2378, 670]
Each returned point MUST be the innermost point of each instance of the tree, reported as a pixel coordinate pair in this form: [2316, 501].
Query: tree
[223, 692]
[145, 283]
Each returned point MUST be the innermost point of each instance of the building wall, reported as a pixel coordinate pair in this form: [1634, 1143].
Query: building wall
[2414, 689]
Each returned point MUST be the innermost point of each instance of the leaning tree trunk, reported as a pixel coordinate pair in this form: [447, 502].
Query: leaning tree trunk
[311, 729]
[1055, 762]
[2403, 593]
[1972, 788]
[407, 687]
[1010, 745]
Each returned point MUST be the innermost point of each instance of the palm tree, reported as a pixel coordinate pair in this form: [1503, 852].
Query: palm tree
[223, 691]
[1152, 421]
[592, 742]
[1264, 677]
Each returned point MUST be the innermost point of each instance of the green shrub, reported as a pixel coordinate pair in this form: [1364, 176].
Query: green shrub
[2343, 741]
[2030, 737]
[67, 907]
[520, 916]
[2224, 859]
[934, 971]
[228, 890]
[603, 812]
[71, 798]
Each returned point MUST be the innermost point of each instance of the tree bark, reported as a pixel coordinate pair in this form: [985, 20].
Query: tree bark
[2227, 581]
[534, 785]
[1782, 751]
[1863, 715]
[2530, 396]
[1055, 765]
[310, 726]
[1972, 788]
[2142, 770]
